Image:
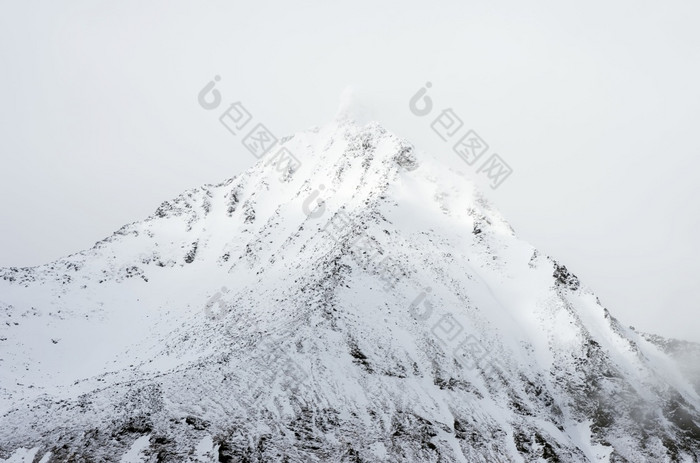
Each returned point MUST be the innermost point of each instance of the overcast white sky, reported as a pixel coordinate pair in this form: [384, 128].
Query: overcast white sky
[595, 105]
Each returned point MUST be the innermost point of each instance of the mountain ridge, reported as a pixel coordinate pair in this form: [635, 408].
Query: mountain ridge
[229, 326]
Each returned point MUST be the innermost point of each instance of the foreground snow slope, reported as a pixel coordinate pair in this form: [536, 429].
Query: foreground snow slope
[402, 320]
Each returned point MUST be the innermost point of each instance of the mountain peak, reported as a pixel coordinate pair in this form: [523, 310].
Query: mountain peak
[362, 303]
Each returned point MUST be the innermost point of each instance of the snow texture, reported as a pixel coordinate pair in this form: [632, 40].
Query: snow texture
[368, 305]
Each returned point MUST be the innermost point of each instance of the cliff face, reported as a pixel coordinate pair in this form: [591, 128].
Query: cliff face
[366, 305]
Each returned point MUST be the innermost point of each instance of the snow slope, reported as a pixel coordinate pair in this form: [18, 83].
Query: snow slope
[398, 319]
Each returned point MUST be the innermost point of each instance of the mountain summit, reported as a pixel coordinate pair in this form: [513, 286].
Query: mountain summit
[365, 305]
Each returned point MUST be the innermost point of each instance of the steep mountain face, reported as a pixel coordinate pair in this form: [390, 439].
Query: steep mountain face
[367, 305]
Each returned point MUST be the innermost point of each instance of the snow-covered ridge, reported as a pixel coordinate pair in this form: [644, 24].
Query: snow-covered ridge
[367, 306]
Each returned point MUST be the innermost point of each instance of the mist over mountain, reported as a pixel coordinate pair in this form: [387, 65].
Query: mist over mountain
[346, 299]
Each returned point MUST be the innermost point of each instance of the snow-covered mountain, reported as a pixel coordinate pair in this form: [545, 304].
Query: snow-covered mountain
[367, 305]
